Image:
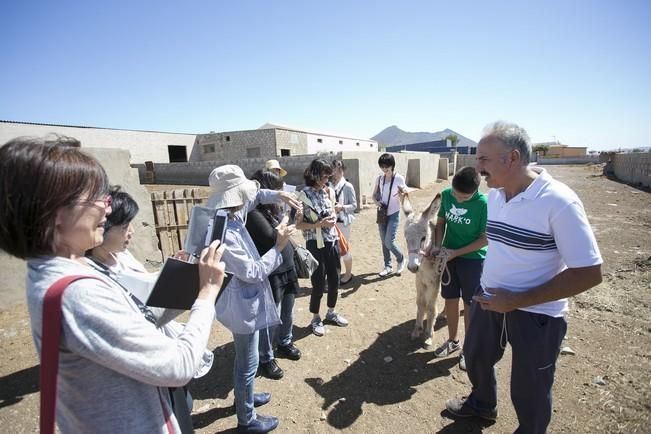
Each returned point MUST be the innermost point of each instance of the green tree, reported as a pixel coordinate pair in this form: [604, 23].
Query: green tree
[541, 149]
[454, 139]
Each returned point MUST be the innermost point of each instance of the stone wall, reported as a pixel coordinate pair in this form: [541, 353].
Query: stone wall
[634, 168]
[586, 159]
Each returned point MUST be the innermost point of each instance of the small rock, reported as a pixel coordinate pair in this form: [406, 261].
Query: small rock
[319, 381]
[611, 204]
[347, 361]
[323, 415]
[568, 350]
[388, 359]
[599, 381]
[342, 399]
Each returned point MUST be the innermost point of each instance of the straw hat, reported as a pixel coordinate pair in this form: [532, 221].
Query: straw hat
[230, 188]
[274, 164]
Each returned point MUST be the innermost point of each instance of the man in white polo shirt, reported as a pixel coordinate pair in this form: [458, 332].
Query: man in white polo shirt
[541, 250]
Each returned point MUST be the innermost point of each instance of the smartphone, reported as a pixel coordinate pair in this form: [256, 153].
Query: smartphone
[217, 227]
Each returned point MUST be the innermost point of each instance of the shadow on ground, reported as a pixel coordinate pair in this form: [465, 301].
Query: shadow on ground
[15, 386]
[373, 378]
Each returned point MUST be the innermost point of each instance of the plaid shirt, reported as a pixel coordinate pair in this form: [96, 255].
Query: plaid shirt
[321, 202]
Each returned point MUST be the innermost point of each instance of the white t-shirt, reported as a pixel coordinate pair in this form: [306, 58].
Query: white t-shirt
[393, 197]
[536, 235]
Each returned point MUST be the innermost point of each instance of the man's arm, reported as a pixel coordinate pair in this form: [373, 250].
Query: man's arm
[569, 282]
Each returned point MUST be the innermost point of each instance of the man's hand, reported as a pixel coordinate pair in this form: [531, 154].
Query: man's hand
[499, 300]
[339, 207]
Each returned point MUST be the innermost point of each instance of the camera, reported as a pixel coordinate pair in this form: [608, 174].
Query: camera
[324, 215]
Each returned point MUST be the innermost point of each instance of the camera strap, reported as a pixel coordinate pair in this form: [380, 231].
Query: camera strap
[390, 188]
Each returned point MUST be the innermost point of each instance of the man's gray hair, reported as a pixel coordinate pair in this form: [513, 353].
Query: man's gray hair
[513, 137]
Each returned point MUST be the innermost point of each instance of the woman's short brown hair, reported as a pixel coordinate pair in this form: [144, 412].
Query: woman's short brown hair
[39, 176]
[315, 170]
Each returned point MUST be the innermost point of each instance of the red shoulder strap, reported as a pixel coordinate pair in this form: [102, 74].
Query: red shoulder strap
[50, 337]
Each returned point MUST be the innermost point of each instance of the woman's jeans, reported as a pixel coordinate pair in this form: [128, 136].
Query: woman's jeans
[280, 334]
[388, 237]
[244, 369]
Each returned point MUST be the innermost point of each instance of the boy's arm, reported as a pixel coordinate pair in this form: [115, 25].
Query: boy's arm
[475, 245]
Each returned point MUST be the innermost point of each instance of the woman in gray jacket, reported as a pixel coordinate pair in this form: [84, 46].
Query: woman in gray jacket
[247, 304]
[115, 366]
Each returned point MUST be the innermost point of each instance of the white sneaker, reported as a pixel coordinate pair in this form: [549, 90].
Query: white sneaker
[385, 272]
[401, 267]
[317, 326]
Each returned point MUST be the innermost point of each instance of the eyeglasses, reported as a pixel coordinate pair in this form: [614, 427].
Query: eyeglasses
[107, 201]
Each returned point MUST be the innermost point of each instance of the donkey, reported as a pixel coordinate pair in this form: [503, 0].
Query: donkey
[419, 232]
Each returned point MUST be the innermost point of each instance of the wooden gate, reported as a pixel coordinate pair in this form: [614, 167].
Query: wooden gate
[171, 215]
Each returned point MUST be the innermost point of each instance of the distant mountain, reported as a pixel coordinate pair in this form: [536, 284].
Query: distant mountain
[393, 136]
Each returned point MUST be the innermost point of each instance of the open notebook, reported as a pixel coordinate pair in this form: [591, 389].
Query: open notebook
[177, 285]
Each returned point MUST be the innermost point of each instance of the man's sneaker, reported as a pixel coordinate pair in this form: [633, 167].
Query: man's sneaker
[317, 327]
[335, 318]
[462, 362]
[401, 267]
[270, 370]
[385, 272]
[448, 347]
[459, 408]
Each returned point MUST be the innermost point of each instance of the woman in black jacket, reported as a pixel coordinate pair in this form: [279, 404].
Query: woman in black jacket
[260, 224]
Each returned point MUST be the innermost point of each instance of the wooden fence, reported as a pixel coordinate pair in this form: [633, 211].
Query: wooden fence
[171, 215]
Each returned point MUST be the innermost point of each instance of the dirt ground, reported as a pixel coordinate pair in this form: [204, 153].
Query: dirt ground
[371, 378]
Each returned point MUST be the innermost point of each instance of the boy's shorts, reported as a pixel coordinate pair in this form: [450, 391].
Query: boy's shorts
[465, 275]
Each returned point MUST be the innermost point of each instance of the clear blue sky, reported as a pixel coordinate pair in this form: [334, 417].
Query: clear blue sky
[576, 71]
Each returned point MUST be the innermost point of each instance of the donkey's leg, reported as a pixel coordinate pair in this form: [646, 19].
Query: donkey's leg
[420, 310]
[429, 326]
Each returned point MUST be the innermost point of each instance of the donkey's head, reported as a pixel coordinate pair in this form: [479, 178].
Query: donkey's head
[419, 229]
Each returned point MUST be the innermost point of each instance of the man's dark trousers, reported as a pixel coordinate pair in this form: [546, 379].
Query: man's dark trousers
[535, 342]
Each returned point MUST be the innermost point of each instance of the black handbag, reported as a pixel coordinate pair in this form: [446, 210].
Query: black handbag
[382, 216]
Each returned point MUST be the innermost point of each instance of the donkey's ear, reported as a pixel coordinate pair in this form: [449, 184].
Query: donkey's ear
[406, 204]
[433, 207]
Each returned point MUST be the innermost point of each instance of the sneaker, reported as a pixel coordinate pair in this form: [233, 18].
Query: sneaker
[459, 408]
[462, 362]
[270, 370]
[448, 347]
[335, 318]
[385, 272]
[401, 267]
[288, 351]
[317, 327]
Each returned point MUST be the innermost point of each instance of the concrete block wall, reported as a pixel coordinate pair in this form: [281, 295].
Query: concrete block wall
[295, 141]
[586, 159]
[234, 144]
[634, 168]
[361, 170]
[444, 169]
[464, 160]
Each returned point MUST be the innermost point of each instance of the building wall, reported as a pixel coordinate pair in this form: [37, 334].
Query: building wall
[232, 145]
[293, 141]
[143, 145]
[566, 152]
[324, 143]
[634, 168]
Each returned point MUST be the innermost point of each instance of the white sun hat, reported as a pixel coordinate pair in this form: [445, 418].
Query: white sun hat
[230, 188]
[274, 164]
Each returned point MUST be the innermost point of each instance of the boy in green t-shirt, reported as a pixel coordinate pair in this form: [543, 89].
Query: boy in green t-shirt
[461, 230]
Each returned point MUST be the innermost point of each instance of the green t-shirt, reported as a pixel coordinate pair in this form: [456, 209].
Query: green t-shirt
[464, 221]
